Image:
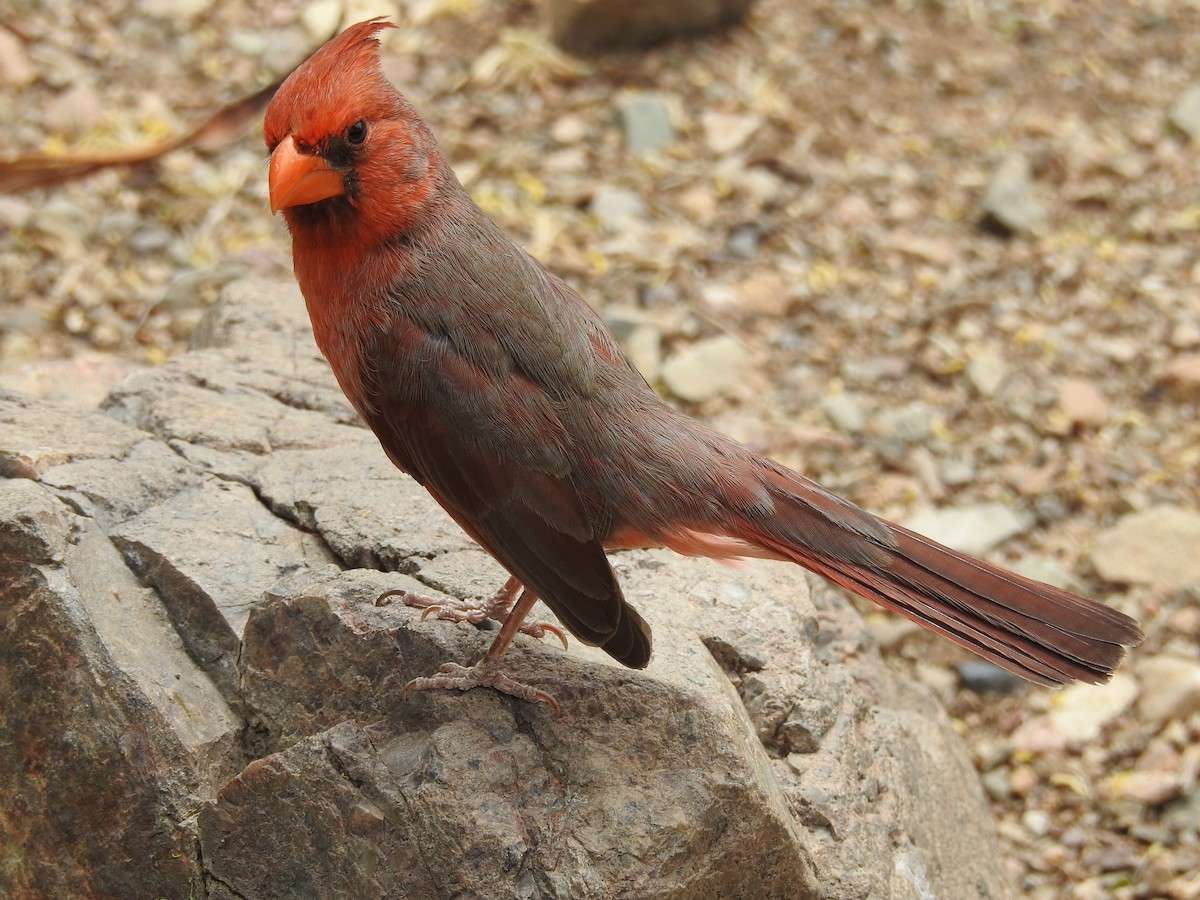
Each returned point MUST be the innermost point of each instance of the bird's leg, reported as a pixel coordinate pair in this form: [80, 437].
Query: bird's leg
[486, 672]
[498, 607]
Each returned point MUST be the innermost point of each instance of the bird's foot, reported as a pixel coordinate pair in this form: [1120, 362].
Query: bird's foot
[497, 607]
[452, 676]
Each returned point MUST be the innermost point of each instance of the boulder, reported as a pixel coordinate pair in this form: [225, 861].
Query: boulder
[197, 676]
[583, 26]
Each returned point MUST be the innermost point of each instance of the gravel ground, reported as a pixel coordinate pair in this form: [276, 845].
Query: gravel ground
[805, 246]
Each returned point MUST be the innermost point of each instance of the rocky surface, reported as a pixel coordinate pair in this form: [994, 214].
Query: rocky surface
[818, 198]
[198, 678]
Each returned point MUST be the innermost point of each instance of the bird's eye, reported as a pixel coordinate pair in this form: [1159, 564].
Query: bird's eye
[357, 133]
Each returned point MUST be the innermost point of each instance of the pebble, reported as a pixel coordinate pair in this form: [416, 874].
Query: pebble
[1038, 735]
[1009, 206]
[1047, 571]
[640, 338]
[645, 122]
[1156, 547]
[76, 110]
[1082, 402]
[617, 209]
[1171, 688]
[910, 424]
[320, 17]
[844, 412]
[706, 369]
[968, 529]
[726, 132]
[1081, 711]
[987, 372]
[1185, 335]
[61, 217]
[1036, 821]
[1150, 788]
[986, 677]
[1184, 371]
[1185, 114]
[14, 64]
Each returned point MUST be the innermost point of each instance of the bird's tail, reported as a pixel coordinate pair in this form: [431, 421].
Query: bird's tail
[1040, 632]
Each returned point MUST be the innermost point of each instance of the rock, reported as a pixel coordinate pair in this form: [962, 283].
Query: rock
[1009, 206]
[1048, 571]
[15, 67]
[645, 122]
[1081, 710]
[235, 735]
[1185, 114]
[986, 677]
[1156, 546]
[987, 371]
[640, 338]
[726, 132]
[1170, 688]
[74, 111]
[909, 424]
[321, 17]
[1082, 403]
[968, 529]
[581, 26]
[1149, 788]
[705, 369]
[1184, 372]
[844, 412]
[617, 209]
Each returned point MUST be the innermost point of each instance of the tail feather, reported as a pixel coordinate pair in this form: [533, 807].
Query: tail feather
[1042, 633]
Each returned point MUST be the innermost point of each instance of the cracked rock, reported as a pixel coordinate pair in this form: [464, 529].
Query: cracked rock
[196, 675]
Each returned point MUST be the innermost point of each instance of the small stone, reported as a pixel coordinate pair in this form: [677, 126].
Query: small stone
[1082, 402]
[1150, 788]
[1156, 547]
[1185, 335]
[321, 17]
[910, 424]
[844, 412]
[1036, 821]
[1184, 371]
[743, 240]
[639, 337]
[1185, 114]
[1009, 206]
[986, 677]
[726, 132]
[995, 782]
[1047, 571]
[987, 371]
[61, 217]
[645, 122]
[1038, 735]
[617, 209]
[705, 369]
[248, 43]
[15, 67]
[1171, 688]
[76, 110]
[1082, 710]
[764, 293]
[968, 529]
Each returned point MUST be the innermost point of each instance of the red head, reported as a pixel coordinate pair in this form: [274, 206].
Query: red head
[348, 153]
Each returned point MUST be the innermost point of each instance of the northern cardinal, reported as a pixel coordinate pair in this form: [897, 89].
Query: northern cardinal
[493, 384]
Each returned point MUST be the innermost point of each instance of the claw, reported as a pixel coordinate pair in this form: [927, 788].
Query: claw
[452, 676]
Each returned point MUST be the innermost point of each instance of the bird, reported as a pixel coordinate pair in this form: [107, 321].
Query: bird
[492, 383]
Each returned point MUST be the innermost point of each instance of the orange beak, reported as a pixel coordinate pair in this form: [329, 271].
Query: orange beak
[297, 178]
